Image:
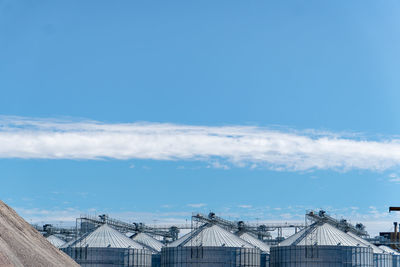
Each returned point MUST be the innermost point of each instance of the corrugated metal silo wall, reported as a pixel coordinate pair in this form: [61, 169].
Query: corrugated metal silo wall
[396, 260]
[383, 260]
[264, 260]
[110, 257]
[156, 260]
[321, 256]
[210, 256]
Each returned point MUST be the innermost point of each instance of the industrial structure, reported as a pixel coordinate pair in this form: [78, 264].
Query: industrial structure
[381, 257]
[390, 239]
[214, 241]
[210, 245]
[106, 247]
[152, 244]
[55, 241]
[319, 245]
[65, 233]
[262, 231]
[255, 235]
[87, 223]
[395, 255]
[322, 216]
[262, 246]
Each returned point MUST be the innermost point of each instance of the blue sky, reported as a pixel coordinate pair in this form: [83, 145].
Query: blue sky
[317, 79]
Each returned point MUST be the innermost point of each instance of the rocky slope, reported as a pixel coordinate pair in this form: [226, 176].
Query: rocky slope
[22, 246]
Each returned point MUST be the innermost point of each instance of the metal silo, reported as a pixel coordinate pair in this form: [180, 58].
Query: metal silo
[395, 255]
[67, 244]
[265, 249]
[210, 245]
[106, 247]
[55, 241]
[152, 244]
[381, 257]
[321, 245]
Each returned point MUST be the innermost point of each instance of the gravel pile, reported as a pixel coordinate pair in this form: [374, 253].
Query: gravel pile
[22, 246]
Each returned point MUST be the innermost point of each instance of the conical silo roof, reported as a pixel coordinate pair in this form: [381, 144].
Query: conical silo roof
[375, 249]
[72, 241]
[322, 235]
[105, 236]
[389, 250]
[210, 235]
[254, 241]
[148, 241]
[180, 240]
[55, 241]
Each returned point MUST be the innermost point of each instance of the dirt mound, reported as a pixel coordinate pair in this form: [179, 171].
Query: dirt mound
[22, 246]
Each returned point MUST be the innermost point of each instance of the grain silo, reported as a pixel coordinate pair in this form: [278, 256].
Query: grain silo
[67, 244]
[381, 258]
[152, 244]
[265, 249]
[55, 241]
[321, 245]
[395, 255]
[210, 245]
[106, 247]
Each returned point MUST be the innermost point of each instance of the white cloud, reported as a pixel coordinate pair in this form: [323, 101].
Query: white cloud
[245, 206]
[393, 177]
[237, 145]
[35, 215]
[287, 216]
[197, 205]
[218, 165]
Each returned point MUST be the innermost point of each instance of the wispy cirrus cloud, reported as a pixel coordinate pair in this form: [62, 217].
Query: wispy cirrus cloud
[32, 138]
[197, 205]
[394, 177]
[245, 206]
